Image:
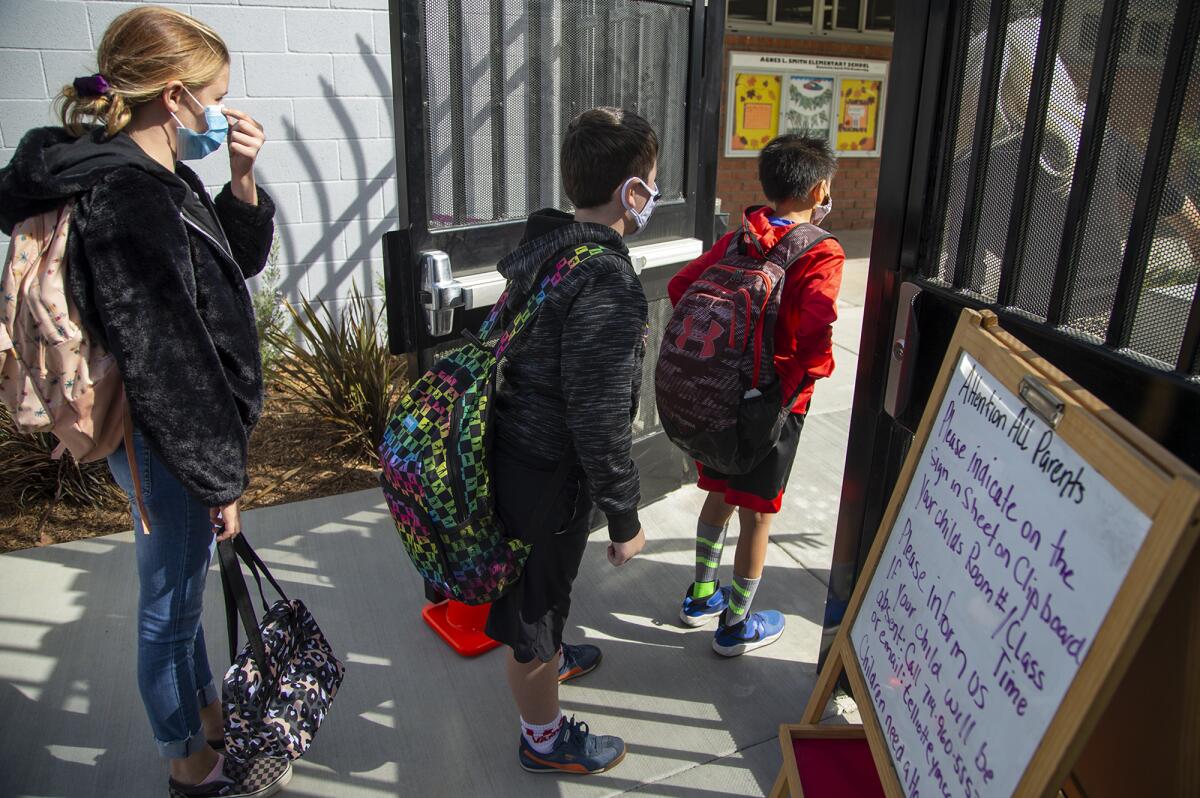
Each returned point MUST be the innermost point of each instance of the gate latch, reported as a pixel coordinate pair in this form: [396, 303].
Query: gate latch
[905, 341]
[440, 293]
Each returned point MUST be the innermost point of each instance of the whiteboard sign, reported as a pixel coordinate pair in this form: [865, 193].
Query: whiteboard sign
[1004, 559]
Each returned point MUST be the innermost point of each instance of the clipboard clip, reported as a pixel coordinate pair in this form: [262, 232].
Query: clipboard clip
[1041, 400]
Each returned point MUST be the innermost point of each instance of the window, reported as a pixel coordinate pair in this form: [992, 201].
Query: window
[856, 18]
[801, 12]
[748, 9]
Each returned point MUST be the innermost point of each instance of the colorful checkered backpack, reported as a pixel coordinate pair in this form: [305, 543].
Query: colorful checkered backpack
[434, 456]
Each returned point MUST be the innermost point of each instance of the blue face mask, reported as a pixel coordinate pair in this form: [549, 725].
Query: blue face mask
[192, 145]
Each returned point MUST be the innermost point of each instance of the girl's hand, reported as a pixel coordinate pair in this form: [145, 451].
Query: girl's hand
[246, 139]
[226, 521]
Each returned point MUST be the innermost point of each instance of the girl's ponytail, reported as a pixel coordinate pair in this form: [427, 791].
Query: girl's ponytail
[76, 108]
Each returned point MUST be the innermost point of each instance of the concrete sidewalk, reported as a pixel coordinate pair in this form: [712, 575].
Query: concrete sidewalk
[414, 719]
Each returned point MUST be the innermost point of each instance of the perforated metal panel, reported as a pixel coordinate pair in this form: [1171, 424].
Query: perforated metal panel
[1054, 210]
[503, 78]
[1008, 129]
[1169, 290]
[1116, 179]
[960, 140]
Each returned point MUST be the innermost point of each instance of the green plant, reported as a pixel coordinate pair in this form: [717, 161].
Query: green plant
[338, 366]
[269, 312]
[28, 474]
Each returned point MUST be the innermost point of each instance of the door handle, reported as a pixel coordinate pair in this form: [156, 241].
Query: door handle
[902, 358]
[440, 293]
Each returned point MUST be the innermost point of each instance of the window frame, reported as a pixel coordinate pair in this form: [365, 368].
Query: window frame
[816, 29]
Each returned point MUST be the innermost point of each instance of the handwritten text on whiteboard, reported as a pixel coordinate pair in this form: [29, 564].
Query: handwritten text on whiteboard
[1006, 555]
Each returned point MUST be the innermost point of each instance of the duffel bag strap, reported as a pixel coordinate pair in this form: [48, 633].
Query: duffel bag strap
[237, 596]
[237, 603]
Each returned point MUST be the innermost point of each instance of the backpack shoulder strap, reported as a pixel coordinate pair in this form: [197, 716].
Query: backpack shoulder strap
[795, 242]
[569, 259]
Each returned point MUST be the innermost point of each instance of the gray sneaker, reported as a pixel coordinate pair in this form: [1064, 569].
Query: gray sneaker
[258, 778]
[576, 751]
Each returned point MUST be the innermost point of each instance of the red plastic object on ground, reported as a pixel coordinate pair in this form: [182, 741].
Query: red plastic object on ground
[833, 768]
[460, 625]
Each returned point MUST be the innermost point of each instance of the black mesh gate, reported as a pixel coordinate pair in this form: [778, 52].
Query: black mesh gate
[1068, 175]
[1042, 161]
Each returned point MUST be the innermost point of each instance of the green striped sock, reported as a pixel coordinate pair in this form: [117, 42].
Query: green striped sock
[740, 599]
[710, 542]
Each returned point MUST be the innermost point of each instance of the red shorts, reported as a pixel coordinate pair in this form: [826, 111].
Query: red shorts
[761, 490]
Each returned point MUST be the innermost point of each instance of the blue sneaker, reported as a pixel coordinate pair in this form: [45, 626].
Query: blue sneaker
[697, 612]
[577, 661]
[758, 630]
[576, 751]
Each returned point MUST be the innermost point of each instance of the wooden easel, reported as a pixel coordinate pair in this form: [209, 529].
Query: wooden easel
[1162, 488]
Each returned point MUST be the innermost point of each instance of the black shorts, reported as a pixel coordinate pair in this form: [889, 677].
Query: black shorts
[529, 618]
[760, 490]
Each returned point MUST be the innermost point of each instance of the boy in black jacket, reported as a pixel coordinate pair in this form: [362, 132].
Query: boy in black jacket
[564, 410]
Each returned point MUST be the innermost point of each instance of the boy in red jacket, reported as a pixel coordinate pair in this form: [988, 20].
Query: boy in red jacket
[795, 173]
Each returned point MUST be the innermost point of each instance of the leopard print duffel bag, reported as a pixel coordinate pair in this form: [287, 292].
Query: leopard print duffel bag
[282, 683]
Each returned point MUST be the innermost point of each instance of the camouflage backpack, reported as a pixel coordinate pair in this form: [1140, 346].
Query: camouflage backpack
[434, 456]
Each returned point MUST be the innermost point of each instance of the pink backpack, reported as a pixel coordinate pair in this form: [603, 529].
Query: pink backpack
[53, 378]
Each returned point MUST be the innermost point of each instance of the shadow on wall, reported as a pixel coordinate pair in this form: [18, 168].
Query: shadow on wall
[342, 247]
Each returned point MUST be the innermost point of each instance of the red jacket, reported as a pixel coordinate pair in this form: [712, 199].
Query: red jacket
[804, 330]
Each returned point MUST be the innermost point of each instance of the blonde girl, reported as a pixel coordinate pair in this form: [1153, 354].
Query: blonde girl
[158, 271]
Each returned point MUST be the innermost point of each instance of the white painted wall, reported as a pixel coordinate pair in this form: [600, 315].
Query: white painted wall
[316, 73]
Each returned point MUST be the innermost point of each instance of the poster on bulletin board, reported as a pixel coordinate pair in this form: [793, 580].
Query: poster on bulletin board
[858, 115]
[809, 106]
[756, 114]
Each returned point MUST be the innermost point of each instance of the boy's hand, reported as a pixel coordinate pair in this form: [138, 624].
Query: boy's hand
[621, 553]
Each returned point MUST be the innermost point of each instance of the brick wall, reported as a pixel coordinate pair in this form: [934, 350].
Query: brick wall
[316, 73]
[855, 184]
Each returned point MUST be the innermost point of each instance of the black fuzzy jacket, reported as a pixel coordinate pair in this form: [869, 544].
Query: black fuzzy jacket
[574, 375]
[158, 271]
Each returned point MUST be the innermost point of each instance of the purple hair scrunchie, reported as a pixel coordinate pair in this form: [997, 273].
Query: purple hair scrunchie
[91, 86]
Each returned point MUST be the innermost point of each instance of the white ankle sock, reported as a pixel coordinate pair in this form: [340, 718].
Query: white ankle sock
[541, 737]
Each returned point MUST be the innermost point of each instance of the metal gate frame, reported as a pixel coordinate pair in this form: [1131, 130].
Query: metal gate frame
[930, 49]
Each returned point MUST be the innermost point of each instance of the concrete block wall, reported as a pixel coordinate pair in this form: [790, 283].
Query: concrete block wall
[315, 73]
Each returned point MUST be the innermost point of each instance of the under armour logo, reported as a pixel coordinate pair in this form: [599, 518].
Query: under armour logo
[709, 349]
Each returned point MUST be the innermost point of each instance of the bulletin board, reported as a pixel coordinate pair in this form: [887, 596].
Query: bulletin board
[838, 99]
[1031, 539]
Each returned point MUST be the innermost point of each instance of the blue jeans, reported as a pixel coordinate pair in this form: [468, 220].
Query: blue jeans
[172, 563]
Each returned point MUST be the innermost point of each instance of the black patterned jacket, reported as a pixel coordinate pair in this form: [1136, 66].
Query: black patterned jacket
[163, 286]
[574, 376]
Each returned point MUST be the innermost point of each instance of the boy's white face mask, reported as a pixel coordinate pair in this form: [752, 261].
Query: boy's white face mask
[640, 218]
